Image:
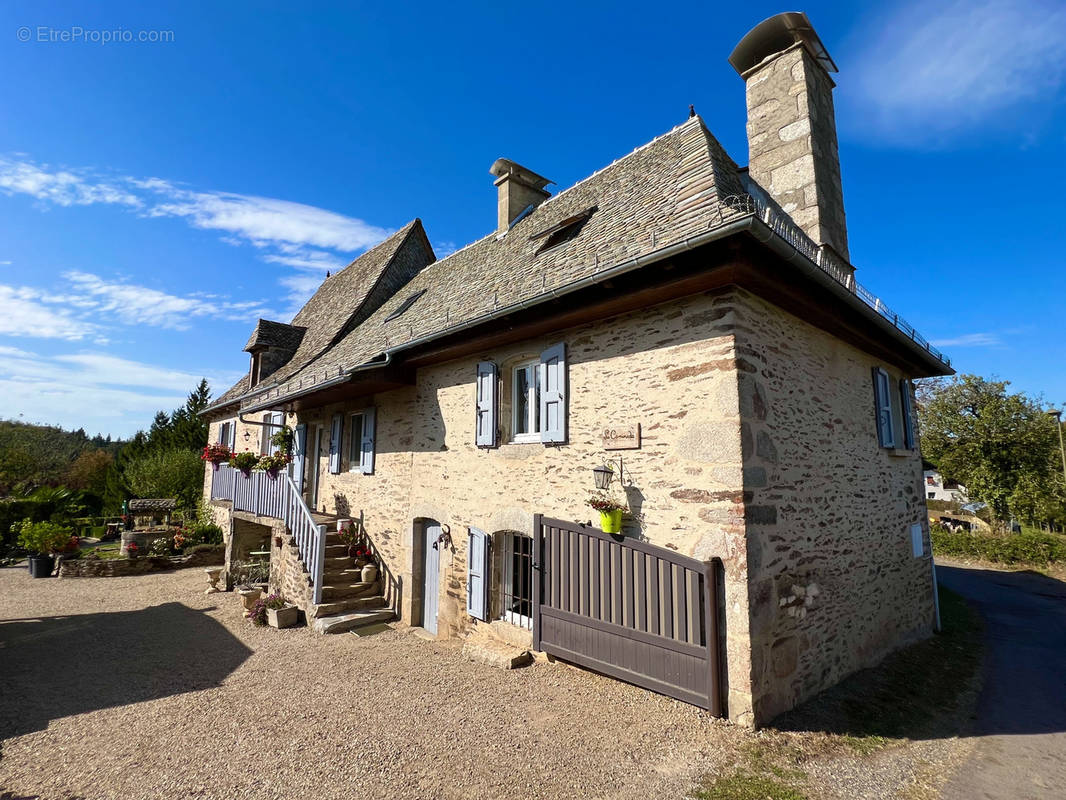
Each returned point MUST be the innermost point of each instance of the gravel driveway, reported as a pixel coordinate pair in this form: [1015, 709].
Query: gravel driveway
[144, 687]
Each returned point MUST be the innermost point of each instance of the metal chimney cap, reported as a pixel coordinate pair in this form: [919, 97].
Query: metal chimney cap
[778, 33]
[505, 167]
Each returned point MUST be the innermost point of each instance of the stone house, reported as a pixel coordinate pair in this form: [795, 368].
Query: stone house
[701, 315]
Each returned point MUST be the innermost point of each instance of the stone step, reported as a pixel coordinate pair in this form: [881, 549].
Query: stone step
[494, 653]
[337, 563]
[340, 623]
[339, 590]
[336, 550]
[348, 604]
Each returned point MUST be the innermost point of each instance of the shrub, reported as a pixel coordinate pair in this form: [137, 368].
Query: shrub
[1036, 548]
[44, 537]
[207, 534]
[160, 547]
[200, 548]
[258, 614]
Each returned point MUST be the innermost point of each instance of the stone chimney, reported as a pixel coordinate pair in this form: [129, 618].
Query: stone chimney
[792, 136]
[518, 188]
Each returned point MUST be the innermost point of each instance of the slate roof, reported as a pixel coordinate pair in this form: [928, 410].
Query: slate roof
[662, 193]
[338, 302]
[268, 333]
[152, 504]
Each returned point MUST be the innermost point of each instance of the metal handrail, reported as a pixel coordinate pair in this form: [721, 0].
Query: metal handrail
[834, 266]
[280, 498]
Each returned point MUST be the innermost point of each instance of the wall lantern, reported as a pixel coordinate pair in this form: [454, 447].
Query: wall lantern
[603, 475]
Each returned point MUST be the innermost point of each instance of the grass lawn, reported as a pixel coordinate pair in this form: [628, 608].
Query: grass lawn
[915, 693]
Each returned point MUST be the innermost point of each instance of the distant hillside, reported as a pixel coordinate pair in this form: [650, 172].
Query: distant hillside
[42, 455]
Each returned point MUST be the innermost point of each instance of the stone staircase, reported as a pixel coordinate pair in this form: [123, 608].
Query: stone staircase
[347, 601]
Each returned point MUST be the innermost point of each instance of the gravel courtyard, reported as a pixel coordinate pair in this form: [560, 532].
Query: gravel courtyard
[146, 688]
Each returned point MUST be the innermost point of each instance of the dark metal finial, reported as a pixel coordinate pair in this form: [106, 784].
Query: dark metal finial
[327, 273]
[691, 111]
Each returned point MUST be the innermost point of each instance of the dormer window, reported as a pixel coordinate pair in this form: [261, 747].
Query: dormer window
[406, 304]
[255, 369]
[563, 231]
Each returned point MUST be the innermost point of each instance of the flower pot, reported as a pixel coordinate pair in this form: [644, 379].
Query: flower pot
[214, 464]
[272, 473]
[277, 541]
[41, 566]
[283, 617]
[369, 573]
[249, 596]
[246, 473]
[611, 521]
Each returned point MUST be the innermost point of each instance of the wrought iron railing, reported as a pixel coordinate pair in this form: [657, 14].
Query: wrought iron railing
[834, 266]
[278, 497]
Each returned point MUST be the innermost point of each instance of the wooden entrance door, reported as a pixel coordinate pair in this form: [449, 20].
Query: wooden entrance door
[316, 465]
[431, 575]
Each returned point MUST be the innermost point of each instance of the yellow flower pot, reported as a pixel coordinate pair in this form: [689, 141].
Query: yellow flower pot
[611, 521]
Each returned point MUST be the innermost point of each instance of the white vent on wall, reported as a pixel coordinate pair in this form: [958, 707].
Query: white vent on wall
[917, 545]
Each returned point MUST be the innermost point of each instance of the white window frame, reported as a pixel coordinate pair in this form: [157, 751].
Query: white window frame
[355, 441]
[532, 422]
[514, 617]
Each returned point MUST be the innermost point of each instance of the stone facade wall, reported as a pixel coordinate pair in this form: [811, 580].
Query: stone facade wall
[834, 584]
[758, 446]
[670, 368]
[122, 567]
[792, 143]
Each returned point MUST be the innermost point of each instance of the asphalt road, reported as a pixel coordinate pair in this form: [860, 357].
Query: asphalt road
[1020, 721]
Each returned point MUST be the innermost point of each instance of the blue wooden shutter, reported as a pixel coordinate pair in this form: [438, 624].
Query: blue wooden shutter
[299, 454]
[487, 424]
[883, 407]
[908, 413]
[223, 434]
[335, 432]
[232, 435]
[553, 394]
[478, 569]
[366, 443]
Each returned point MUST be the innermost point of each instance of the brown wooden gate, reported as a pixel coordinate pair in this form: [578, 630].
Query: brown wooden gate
[639, 613]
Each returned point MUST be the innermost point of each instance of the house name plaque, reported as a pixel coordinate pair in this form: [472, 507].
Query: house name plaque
[622, 437]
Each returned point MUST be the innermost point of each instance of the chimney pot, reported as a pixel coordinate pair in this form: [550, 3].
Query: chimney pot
[517, 189]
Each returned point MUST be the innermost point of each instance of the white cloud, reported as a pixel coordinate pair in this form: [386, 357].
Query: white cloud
[26, 313]
[284, 232]
[924, 71]
[61, 186]
[96, 391]
[971, 340]
[265, 221]
[74, 312]
[300, 287]
[141, 305]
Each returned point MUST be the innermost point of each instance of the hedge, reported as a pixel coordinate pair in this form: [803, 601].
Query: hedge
[1019, 548]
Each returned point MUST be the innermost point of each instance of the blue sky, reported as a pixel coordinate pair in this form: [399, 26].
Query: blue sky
[157, 197]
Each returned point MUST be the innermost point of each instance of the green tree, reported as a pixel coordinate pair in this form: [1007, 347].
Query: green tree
[167, 473]
[89, 471]
[998, 444]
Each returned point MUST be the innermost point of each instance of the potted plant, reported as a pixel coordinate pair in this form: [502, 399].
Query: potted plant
[280, 614]
[250, 577]
[272, 463]
[244, 461]
[610, 511]
[216, 453]
[282, 439]
[132, 551]
[44, 539]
